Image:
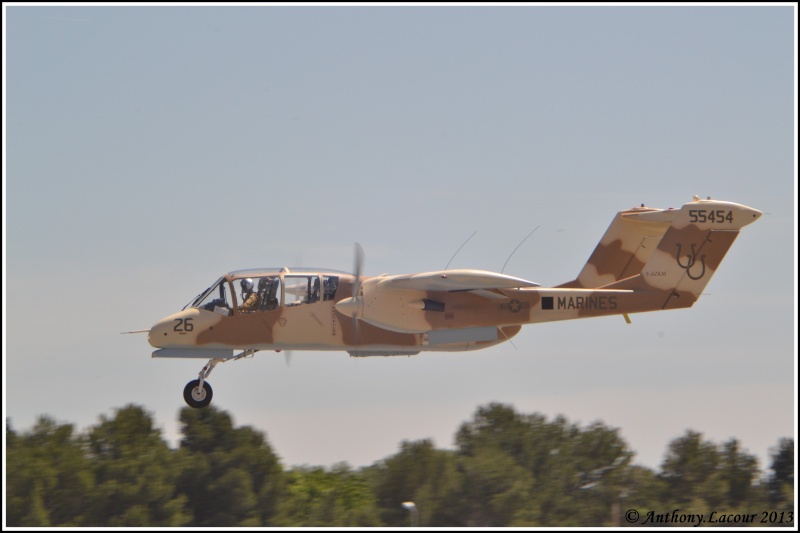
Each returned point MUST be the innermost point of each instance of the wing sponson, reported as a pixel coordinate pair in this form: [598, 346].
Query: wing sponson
[193, 353]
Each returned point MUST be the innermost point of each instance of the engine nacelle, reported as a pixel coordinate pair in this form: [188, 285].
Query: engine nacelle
[400, 310]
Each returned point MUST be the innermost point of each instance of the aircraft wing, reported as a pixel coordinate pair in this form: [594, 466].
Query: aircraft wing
[458, 280]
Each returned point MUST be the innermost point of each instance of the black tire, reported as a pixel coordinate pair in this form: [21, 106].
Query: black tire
[196, 397]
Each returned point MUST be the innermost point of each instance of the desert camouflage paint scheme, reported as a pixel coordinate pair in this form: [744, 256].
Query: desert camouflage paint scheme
[648, 260]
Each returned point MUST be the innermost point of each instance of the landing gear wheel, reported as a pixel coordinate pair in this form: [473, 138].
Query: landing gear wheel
[197, 396]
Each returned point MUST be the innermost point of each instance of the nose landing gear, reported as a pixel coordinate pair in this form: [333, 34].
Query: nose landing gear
[197, 393]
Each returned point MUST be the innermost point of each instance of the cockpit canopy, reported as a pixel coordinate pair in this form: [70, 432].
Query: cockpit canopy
[264, 290]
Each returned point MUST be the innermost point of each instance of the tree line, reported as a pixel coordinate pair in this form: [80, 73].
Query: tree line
[507, 469]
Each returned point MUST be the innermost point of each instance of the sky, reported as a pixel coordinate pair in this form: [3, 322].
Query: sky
[148, 150]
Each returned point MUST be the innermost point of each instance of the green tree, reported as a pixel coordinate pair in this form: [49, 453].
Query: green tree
[700, 476]
[687, 470]
[508, 469]
[642, 491]
[418, 473]
[558, 474]
[780, 482]
[135, 473]
[495, 490]
[48, 476]
[231, 476]
[317, 497]
[738, 472]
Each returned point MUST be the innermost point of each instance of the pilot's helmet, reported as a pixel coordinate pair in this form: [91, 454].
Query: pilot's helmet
[247, 285]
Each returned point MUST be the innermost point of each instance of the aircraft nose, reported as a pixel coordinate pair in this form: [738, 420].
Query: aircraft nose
[157, 334]
[161, 334]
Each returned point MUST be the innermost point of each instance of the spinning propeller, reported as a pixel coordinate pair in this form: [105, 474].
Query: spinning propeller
[351, 306]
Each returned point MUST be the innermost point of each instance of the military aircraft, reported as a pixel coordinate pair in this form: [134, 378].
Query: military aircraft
[647, 260]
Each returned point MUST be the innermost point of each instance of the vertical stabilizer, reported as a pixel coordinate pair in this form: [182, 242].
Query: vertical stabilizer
[691, 250]
[626, 246]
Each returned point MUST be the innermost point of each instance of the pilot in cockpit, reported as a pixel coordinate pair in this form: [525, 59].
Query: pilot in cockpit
[267, 290]
[249, 296]
[330, 288]
[314, 291]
